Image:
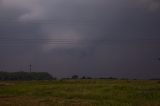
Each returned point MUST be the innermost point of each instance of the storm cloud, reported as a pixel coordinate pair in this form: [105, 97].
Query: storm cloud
[118, 38]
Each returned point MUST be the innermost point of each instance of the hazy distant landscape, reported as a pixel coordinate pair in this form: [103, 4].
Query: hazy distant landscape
[79, 52]
[80, 92]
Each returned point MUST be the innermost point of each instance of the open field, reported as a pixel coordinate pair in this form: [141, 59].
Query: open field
[80, 93]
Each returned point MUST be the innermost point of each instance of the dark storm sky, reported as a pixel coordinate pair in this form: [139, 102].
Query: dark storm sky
[118, 38]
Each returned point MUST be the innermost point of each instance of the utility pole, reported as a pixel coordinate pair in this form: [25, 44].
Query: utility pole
[30, 68]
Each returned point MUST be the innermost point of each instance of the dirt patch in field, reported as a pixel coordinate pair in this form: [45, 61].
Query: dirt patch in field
[6, 84]
[11, 100]
[6, 96]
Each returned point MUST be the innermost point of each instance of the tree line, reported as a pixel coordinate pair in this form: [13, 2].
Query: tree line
[25, 76]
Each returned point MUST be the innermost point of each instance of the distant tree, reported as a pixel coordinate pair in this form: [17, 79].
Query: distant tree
[75, 77]
[83, 77]
[112, 78]
[88, 77]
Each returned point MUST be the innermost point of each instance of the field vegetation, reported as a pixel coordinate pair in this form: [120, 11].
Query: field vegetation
[84, 92]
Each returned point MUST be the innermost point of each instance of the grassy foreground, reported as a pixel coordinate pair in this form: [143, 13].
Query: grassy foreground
[80, 93]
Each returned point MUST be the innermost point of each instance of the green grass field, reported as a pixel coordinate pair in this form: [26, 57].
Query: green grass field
[80, 93]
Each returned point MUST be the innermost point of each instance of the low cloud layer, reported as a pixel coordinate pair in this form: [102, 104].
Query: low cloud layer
[152, 4]
[95, 38]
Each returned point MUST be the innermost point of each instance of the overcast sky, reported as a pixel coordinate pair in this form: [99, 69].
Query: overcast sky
[112, 38]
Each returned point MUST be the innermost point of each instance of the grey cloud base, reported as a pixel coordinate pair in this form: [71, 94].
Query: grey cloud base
[95, 38]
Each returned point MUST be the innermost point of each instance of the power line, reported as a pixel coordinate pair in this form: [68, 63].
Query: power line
[54, 21]
[24, 40]
[8, 41]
